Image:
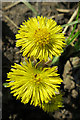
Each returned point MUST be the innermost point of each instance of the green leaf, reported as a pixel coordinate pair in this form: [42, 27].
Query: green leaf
[5, 84]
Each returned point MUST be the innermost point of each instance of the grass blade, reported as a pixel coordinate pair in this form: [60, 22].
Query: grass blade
[74, 26]
[72, 23]
[30, 7]
[77, 45]
[75, 36]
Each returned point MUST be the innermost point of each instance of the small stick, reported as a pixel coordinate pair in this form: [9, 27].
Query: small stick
[11, 5]
[10, 21]
[71, 19]
[56, 16]
[65, 10]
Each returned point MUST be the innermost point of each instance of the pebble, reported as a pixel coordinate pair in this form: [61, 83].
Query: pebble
[74, 93]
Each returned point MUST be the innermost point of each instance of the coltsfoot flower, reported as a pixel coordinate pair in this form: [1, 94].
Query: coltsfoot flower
[40, 37]
[33, 85]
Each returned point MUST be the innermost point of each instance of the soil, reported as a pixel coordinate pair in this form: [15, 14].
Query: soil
[69, 63]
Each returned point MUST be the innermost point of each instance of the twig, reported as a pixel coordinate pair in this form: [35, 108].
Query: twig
[65, 10]
[71, 19]
[10, 21]
[56, 16]
[11, 5]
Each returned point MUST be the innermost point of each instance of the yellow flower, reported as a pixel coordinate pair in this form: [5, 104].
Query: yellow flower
[53, 105]
[40, 37]
[33, 85]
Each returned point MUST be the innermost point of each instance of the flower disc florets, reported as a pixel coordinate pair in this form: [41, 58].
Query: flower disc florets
[33, 85]
[40, 37]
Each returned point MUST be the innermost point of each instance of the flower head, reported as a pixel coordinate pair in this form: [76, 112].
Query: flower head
[40, 37]
[33, 85]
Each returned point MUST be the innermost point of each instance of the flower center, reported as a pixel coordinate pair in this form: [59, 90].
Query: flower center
[42, 36]
[37, 78]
